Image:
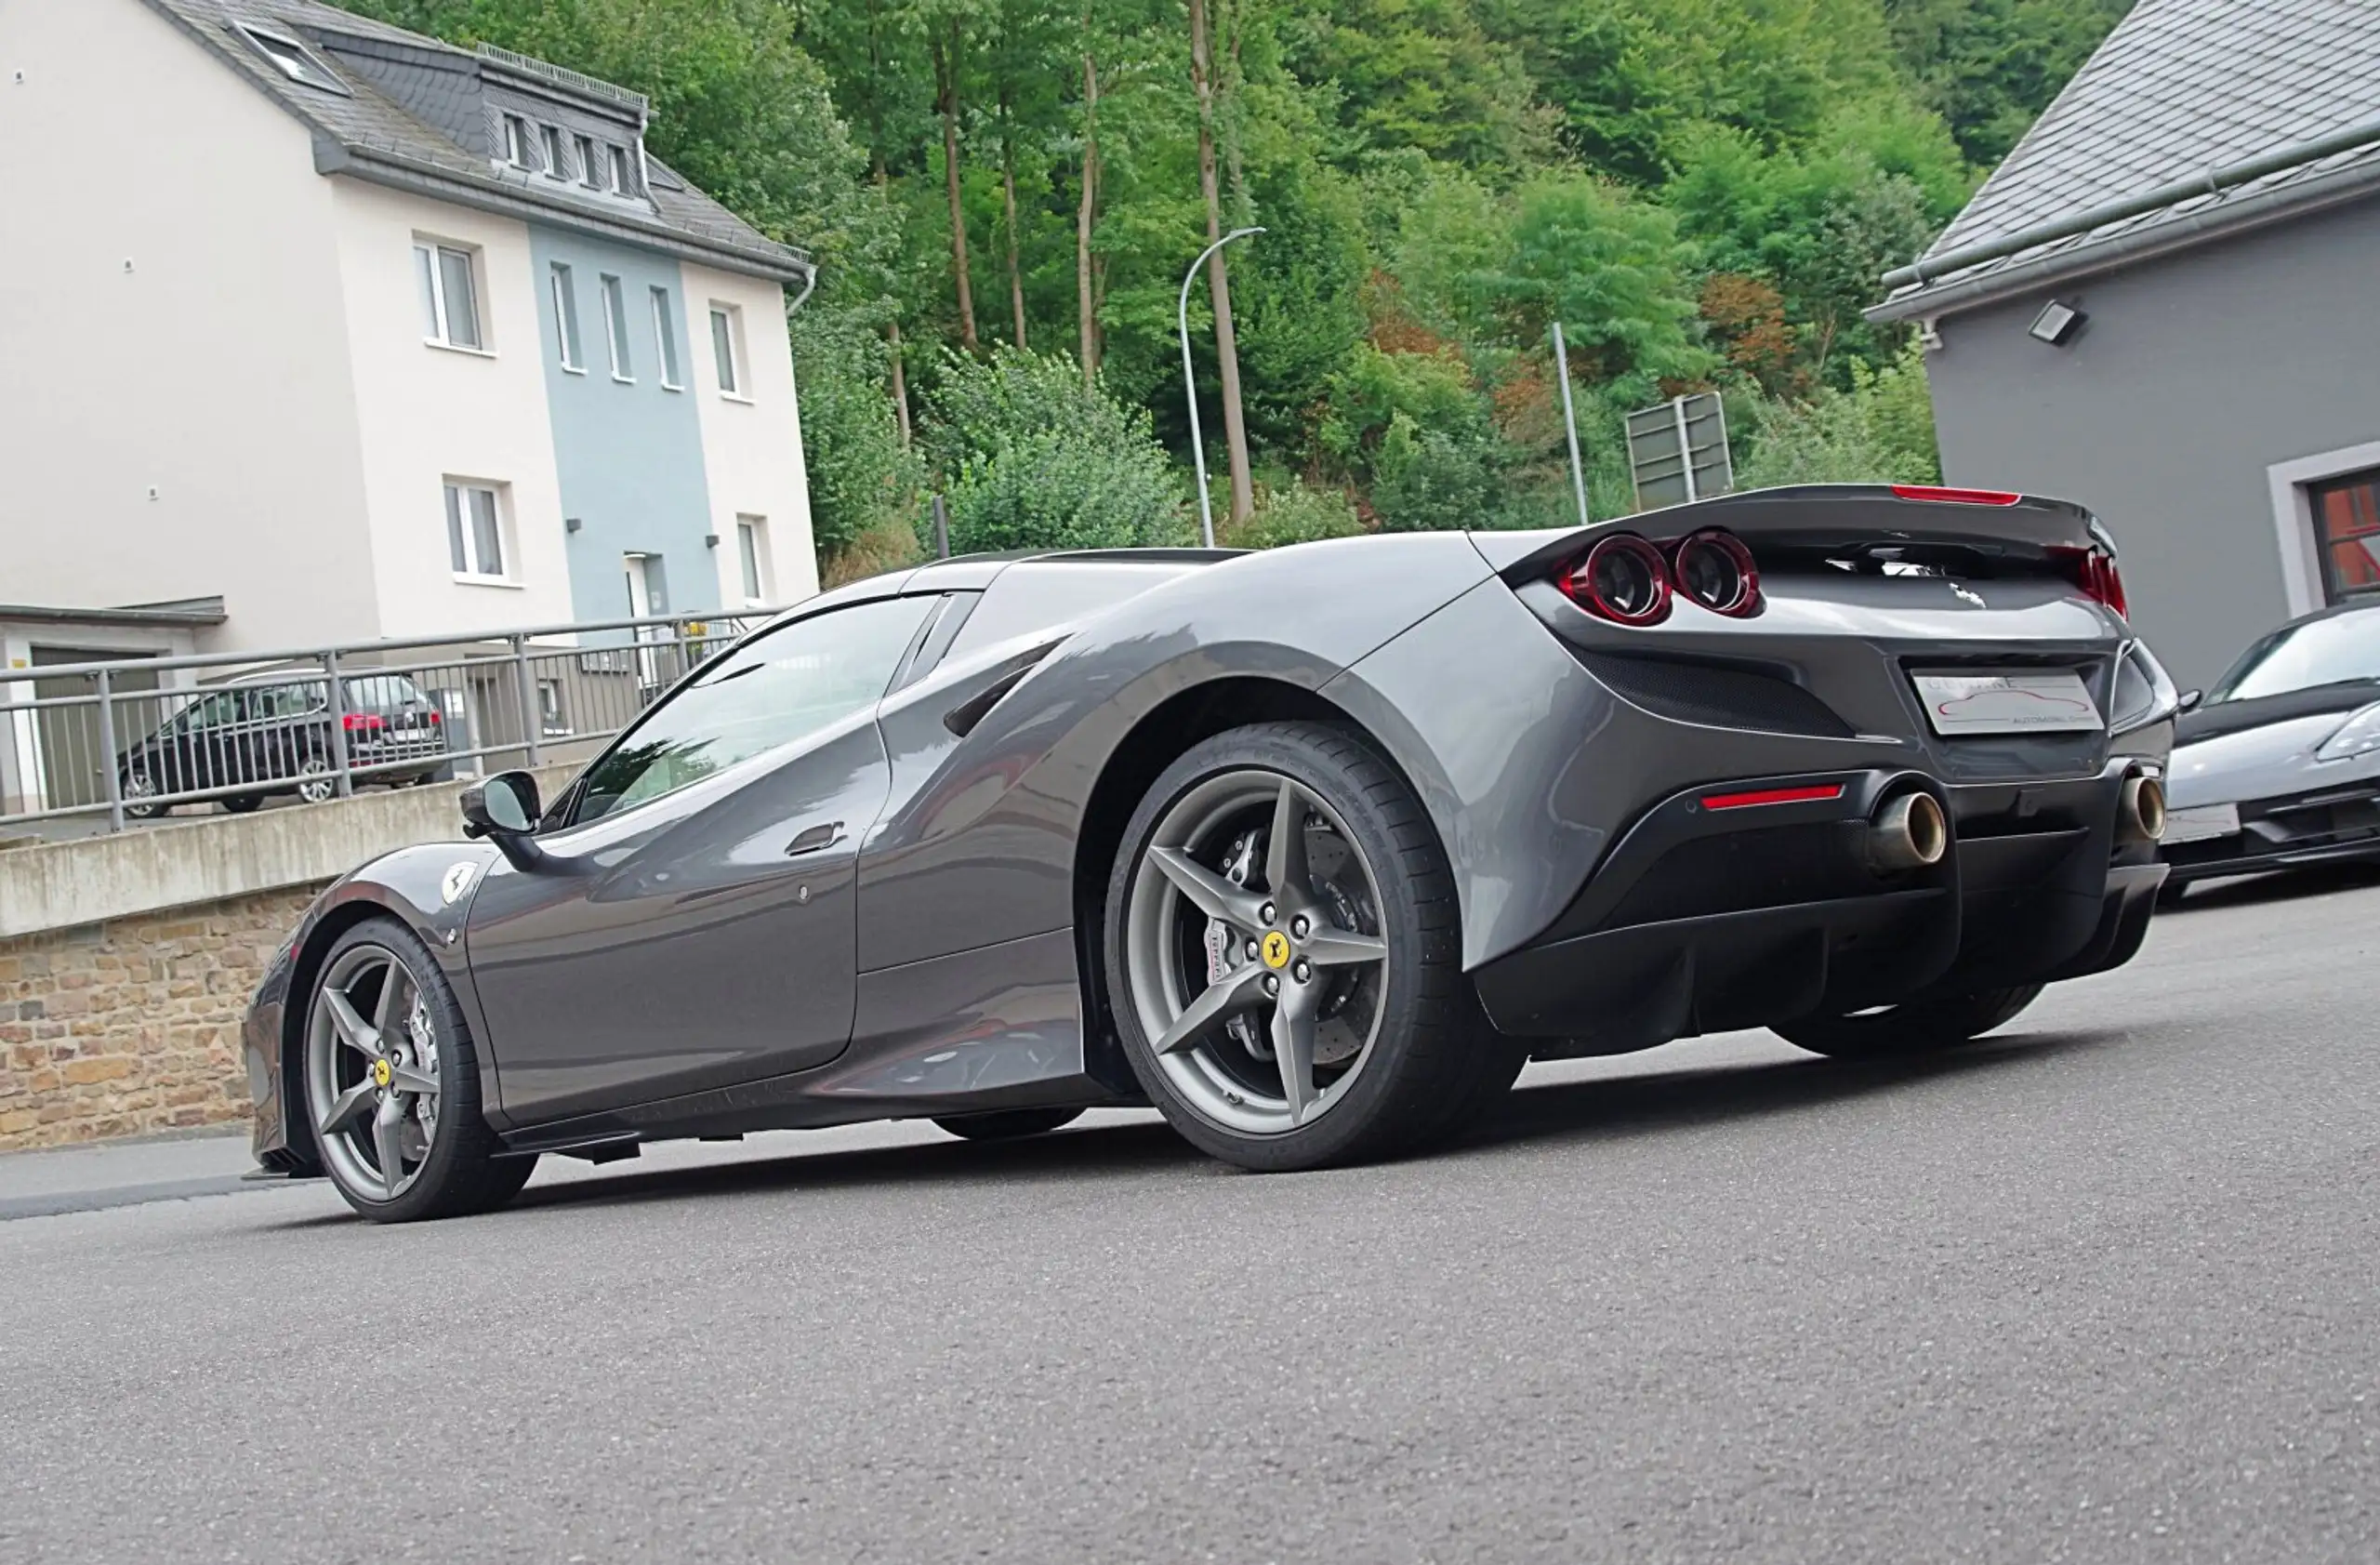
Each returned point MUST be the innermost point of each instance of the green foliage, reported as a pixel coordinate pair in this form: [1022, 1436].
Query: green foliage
[1703, 192]
[1030, 457]
[1297, 513]
[1881, 430]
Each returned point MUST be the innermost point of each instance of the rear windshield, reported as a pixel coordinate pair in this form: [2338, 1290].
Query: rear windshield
[2337, 650]
[380, 693]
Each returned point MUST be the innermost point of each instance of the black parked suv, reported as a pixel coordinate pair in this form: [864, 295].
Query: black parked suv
[275, 731]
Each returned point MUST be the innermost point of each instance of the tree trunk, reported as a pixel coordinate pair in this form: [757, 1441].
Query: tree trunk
[1008, 201]
[946, 72]
[1202, 76]
[1086, 305]
[893, 328]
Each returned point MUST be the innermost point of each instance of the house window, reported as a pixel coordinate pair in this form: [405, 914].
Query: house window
[665, 333]
[553, 140]
[566, 319]
[552, 717]
[516, 140]
[752, 547]
[474, 530]
[620, 177]
[615, 327]
[2347, 526]
[590, 171]
[294, 61]
[450, 303]
[726, 348]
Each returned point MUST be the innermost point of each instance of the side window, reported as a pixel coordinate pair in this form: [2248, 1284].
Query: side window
[778, 689]
[217, 710]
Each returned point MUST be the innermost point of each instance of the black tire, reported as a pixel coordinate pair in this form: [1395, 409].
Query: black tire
[1908, 1029]
[1008, 1125]
[1434, 1053]
[464, 1171]
[242, 803]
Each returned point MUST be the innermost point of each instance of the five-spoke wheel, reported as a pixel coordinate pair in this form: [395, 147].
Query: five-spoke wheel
[392, 1087]
[1281, 956]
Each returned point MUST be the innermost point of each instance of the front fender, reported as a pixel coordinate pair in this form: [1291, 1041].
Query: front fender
[428, 888]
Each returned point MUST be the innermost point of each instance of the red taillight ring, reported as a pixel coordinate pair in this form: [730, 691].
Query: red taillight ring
[1746, 597]
[1580, 584]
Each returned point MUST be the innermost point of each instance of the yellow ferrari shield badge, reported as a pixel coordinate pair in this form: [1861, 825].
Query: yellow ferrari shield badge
[381, 1074]
[1276, 949]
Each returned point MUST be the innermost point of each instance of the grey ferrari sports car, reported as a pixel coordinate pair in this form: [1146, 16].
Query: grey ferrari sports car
[1311, 849]
[2279, 767]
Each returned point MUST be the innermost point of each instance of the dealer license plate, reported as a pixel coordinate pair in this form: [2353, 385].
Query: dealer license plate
[2018, 702]
[2201, 823]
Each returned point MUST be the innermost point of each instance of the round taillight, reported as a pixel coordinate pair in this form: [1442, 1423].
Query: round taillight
[1624, 580]
[1716, 570]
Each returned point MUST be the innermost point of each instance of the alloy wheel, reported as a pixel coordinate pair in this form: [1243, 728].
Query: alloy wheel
[1254, 952]
[372, 1072]
[140, 792]
[316, 781]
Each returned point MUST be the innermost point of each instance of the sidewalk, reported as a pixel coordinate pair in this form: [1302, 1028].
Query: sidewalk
[126, 1172]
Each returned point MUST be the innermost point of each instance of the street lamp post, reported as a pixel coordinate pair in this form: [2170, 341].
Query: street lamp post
[1190, 382]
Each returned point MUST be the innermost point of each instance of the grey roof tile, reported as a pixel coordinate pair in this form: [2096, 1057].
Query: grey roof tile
[368, 122]
[2182, 87]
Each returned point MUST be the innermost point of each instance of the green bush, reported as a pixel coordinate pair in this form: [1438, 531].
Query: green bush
[1030, 457]
[1297, 514]
[1879, 431]
[1431, 481]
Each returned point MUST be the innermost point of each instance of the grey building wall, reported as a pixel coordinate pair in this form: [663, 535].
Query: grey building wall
[628, 454]
[2195, 374]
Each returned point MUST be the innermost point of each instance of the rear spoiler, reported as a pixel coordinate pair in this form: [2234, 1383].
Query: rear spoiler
[1964, 531]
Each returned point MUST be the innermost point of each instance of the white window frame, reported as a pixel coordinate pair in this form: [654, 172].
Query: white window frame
[300, 64]
[516, 140]
[665, 339]
[729, 365]
[562, 285]
[431, 256]
[752, 563]
[614, 295]
[549, 149]
[2292, 517]
[590, 168]
[617, 156]
[462, 531]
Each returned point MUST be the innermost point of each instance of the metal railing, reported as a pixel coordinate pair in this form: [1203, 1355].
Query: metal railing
[133, 739]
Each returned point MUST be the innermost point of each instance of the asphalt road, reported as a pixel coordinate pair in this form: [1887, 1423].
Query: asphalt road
[2101, 1289]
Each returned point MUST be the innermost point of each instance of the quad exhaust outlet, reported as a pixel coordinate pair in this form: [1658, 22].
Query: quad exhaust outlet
[1906, 832]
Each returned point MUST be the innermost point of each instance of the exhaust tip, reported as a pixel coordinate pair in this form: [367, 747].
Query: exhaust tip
[2140, 809]
[1907, 831]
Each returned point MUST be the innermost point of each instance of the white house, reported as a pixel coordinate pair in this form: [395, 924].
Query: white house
[368, 337]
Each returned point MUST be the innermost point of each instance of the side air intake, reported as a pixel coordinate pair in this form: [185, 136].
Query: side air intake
[1717, 696]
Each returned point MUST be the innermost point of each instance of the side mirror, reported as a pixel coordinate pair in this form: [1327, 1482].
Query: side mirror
[504, 809]
[2190, 698]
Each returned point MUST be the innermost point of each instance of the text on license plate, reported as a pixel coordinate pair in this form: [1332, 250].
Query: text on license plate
[2201, 823]
[2017, 701]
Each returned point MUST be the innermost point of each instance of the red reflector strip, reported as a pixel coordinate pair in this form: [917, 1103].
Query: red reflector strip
[1772, 796]
[1954, 497]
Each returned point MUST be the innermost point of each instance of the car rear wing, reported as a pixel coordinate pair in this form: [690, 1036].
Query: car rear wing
[1853, 526]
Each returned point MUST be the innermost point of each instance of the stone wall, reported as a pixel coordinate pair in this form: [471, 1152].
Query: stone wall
[132, 1026]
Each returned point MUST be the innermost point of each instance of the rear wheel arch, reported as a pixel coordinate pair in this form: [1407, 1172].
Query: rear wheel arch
[1163, 734]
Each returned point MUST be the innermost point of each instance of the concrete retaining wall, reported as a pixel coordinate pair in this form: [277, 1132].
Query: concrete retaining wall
[126, 961]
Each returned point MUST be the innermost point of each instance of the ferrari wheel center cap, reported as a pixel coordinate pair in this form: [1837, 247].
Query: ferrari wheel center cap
[1276, 949]
[381, 1074]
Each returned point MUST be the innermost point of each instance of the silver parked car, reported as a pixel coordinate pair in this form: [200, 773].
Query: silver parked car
[2280, 765]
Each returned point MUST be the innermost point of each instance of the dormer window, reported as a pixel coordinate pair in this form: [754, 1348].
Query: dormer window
[621, 180]
[292, 60]
[591, 172]
[552, 139]
[516, 140]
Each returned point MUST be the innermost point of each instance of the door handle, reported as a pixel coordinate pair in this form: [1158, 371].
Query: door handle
[811, 839]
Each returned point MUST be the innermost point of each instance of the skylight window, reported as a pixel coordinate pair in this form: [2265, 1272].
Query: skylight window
[292, 60]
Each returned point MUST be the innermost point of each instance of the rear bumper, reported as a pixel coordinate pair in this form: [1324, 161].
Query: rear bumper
[1703, 921]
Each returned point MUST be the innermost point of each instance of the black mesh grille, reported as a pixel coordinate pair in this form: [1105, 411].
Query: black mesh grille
[1718, 697]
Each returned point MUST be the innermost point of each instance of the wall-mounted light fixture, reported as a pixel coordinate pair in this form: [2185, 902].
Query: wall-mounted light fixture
[710, 540]
[571, 524]
[2057, 324]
